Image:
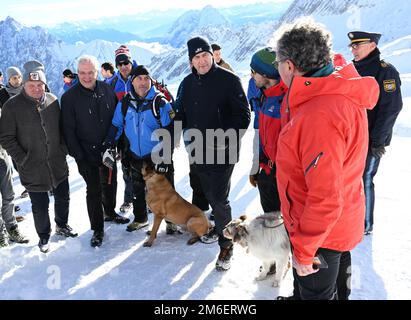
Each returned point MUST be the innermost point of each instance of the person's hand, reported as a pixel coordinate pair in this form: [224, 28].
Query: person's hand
[109, 158]
[377, 151]
[303, 269]
[161, 168]
[253, 178]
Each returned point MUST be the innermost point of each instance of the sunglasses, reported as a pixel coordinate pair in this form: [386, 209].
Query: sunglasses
[125, 63]
[355, 46]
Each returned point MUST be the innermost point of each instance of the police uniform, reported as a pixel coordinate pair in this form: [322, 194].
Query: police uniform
[382, 117]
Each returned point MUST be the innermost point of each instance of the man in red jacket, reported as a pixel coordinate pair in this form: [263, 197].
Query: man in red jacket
[321, 156]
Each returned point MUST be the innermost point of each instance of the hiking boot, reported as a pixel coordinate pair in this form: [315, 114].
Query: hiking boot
[24, 194]
[44, 245]
[116, 218]
[16, 236]
[17, 208]
[97, 239]
[126, 207]
[3, 240]
[223, 262]
[19, 218]
[172, 228]
[136, 225]
[210, 237]
[66, 231]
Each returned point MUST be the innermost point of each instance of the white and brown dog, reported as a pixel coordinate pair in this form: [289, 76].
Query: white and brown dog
[264, 237]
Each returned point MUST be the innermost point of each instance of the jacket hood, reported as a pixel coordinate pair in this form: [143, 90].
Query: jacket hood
[345, 81]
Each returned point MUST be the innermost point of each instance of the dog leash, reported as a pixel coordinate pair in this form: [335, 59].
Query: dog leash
[274, 223]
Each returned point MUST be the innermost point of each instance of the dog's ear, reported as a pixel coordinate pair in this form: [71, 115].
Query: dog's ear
[242, 230]
[243, 217]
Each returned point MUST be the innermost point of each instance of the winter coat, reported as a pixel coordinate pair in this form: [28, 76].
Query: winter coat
[30, 132]
[267, 111]
[225, 65]
[382, 118]
[86, 119]
[7, 92]
[215, 100]
[140, 123]
[71, 84]
[320, 161]
[120, 87]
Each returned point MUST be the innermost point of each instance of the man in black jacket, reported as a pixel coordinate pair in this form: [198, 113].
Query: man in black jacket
[87, 111]
[30, 133]
[212, 98]
[382, 118]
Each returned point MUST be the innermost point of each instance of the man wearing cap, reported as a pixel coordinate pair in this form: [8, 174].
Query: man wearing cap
[145, 110]
[30, 132]
[121, 84]
[382, 118]
[209, 99]
[70, 79]
[218, 59]
[87, 110]
[13, 86]
[266, 103]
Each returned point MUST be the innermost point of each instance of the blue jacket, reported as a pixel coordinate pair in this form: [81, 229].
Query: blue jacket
[254, 97]
[140, 123]
[71, 84]
[121, 87]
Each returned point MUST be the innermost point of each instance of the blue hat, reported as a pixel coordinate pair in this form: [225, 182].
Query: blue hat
[263, 61]
[361, 36]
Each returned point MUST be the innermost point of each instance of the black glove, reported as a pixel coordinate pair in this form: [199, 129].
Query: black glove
[377, 151]
[161, 168]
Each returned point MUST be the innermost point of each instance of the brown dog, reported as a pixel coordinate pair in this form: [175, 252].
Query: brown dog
[166, 203]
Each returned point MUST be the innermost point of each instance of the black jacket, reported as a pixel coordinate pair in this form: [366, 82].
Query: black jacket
[215, 100]
[86, 119]
[382, 118]
[30, 132]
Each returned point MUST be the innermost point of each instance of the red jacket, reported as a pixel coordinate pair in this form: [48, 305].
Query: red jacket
[321, 158]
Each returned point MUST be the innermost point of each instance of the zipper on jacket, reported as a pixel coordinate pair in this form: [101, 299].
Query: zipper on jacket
[314, 163]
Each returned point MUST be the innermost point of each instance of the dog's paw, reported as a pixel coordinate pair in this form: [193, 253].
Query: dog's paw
[148, 243]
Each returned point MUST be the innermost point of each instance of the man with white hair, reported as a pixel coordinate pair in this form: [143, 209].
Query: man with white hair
[30, 133]
[87, 110]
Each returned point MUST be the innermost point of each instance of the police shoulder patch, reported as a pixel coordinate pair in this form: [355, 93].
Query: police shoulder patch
[390, 85]
[384, 64]
[171, 114]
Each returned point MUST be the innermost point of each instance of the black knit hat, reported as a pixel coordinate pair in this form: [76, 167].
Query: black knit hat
[68, 73]
[197, 45]
[215, 46]
[139, 71]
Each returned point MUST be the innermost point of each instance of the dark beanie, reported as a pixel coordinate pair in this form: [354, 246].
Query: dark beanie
[139, 71]
[262, 62]
[68, 73]
[215, 47]
[197, 45]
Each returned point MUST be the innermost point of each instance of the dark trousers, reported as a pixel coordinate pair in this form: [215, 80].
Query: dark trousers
[40, 207]
[139, 189]
[128, 185]
[216, 183]
[101, 195]
[371, 168]
[199, 199]
[267, 187]
[333, 283]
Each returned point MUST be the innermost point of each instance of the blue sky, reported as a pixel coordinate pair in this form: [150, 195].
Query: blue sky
[49, 12]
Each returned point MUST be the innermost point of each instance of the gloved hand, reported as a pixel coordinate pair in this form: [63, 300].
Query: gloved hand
[377, 151]
[109, 158]
[161, 168]
[253, 179]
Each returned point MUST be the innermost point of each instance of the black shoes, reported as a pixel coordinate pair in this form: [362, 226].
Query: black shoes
[223, 262]
[16, 236]
[126, 206]
[44, 245]
[136, 225]
[210, 237]
[116, 218]
[97, 239]
[66, 231]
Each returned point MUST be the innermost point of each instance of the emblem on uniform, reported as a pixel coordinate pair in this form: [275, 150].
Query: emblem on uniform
[271, 109]
[350, 35]
[171, 114]
[307, 83]
[390, 85]
[34, 76]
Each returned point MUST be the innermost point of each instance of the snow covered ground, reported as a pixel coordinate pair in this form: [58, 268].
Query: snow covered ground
[123, 269]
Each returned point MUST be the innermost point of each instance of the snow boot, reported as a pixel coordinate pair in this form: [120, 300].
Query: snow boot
[223, 262]
[66, 231]
[16, 236]
[97, 239]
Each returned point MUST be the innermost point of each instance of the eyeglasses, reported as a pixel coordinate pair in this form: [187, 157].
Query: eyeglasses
[125, 63]
[355, 46]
